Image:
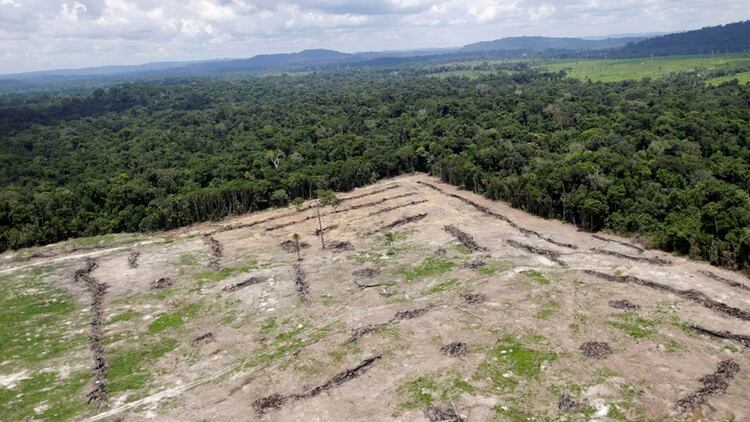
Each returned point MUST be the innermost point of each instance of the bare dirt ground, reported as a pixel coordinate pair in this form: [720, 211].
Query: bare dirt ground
[474, 311]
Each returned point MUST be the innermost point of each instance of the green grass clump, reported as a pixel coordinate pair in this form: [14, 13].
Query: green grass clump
[65, 398]
[188, 260]
[227, 272]
[418, 392]
[508, 361]
[283, 347]
[173, 319]
[443, 286]
[547, 310]
[513, 414]
[124, 316]
[130, 369]
[423, 391]
[495, 267]
[431, 266]
[536, 276]
[33, 316]
[633, 324]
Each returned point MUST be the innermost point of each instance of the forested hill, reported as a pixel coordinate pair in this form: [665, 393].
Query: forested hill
[730, 38]
[666, 159]
[538, 44]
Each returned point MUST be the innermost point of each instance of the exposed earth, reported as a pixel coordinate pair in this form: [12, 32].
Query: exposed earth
[428, 303]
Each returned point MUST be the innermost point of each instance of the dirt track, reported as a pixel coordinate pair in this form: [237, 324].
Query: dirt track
[275, 328]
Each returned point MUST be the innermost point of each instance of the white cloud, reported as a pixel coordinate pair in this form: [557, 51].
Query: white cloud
[36, 34]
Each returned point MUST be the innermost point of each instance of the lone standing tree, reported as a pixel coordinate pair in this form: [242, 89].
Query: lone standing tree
[295, 238]
[325, 197]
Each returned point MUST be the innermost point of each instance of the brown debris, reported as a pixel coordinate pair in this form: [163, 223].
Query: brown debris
[568, 404]
[388, 209]
[477, 263]
[441, 414]
[290, 247]
[373, 203]
[553, 256]
[338, 211]
[203, 340]
[655, 260]
[399, 222]
[410, 314]
[216, 251]
[325, 229]
[275, 401]
[455, 349]
[366, 272]
[465, 238]
[474, 298]
[692, 295]
[626, 244]
[739, 338]
[340, 246]
[715, 383]
[360, 332]
[440, 251]
[268, 403]
[624, 304]
[96, 289]
[489, 212]
[300, 285]
[596, 349]
[162, 283]
[249, 282]
[374, 192]
[133, 259]
[368, 286]
[728, 282]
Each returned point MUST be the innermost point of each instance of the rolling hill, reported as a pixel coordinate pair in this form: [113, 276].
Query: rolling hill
[729, 38]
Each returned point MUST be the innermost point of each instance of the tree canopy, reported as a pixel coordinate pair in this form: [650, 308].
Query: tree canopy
[668, 160]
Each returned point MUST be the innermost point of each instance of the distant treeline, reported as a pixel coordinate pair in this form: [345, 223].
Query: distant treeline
[666, 160]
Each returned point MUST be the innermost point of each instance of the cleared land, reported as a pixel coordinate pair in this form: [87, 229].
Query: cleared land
[639, 68]
[472, 309]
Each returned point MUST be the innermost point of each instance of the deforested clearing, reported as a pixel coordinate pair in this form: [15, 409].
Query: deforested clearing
[438, 310]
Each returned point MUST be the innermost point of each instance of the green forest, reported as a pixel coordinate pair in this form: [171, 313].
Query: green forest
[667, 160]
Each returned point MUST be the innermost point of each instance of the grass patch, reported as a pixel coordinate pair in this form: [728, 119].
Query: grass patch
[495, 267]
[431, 266]
[385, 248]
[56, 399]
[124, 316]
[283, 347]
[224, 273]
[536, 276]
[268, 325]
[423, 391]
[547, 310]
[633, 324]
[188, 260]
[443, 286]
[609, 70]
[132, 368]
[513, 414]
[580, 321]
[173, 319]
[37, 321]
[509, 361]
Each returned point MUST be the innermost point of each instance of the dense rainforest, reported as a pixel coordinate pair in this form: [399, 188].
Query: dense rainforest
[668, 160]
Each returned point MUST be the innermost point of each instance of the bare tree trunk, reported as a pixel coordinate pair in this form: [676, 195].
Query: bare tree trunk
[320, 226]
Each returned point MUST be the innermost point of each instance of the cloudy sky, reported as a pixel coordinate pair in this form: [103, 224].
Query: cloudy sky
[45, 34]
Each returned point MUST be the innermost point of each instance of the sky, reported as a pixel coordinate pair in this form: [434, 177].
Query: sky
[55, 34]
